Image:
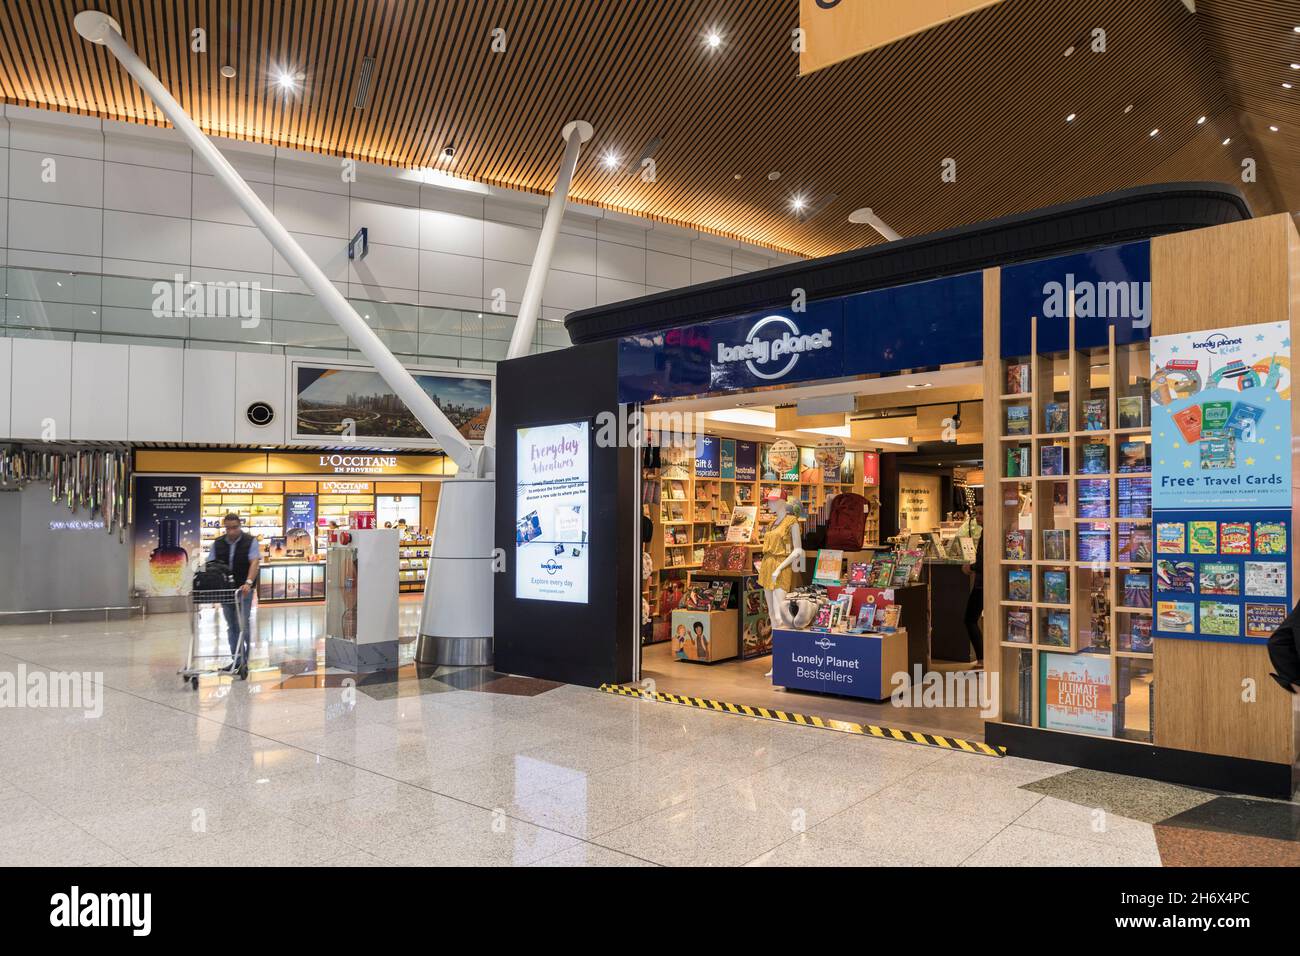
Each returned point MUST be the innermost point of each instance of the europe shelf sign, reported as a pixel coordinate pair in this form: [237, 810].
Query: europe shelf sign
[551, 512]
[1221, 482]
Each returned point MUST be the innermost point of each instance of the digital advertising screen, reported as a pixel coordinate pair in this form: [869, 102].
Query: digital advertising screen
[551, 512]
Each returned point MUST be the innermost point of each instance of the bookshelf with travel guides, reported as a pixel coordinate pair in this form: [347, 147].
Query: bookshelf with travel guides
[690, 512]
[1072, 521]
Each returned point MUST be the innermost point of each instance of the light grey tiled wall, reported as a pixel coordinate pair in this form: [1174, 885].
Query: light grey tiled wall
[129, 205]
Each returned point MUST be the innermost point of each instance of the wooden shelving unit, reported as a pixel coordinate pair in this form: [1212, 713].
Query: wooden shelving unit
[1099, 519]
[696, 511]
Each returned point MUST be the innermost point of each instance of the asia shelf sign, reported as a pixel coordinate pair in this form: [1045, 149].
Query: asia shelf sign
[1221, 482]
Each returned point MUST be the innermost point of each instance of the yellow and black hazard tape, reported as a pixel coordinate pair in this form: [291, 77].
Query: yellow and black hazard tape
[826, 723]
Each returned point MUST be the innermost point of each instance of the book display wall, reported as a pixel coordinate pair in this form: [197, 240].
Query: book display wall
[698, 499]
[1074, 520]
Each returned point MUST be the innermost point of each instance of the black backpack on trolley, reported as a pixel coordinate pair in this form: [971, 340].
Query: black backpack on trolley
[215, 576]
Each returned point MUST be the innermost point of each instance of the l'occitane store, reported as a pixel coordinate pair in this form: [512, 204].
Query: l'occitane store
[291, 501]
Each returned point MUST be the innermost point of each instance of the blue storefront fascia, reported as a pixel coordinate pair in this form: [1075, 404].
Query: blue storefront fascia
[918, 325]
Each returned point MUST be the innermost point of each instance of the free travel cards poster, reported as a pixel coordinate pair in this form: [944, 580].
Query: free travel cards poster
[1221, 482]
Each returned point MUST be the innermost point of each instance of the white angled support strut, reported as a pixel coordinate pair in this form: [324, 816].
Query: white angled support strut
[575, 134]
[102, 29]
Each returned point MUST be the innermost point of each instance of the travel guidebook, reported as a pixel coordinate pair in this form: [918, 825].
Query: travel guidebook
[1019, 584]
[1137, 589]
[1056, 544]
[1132, 411]
[1056, 417]
[1056, 587]
[1017, 419]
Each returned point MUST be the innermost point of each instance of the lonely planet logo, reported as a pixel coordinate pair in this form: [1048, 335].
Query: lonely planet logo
[1218, 343]
[763, 350]
[551, 566]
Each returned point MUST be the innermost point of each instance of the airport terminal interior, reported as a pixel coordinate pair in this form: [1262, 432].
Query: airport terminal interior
[790, 433]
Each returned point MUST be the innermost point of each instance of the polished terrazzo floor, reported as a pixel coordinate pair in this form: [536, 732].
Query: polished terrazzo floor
[302, 766]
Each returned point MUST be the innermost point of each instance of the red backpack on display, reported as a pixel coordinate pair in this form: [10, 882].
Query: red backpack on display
[847, 522]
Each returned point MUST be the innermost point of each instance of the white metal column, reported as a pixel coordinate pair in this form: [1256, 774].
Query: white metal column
[102, 29]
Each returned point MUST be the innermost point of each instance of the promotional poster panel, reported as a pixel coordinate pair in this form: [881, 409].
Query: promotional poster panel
[341, 400]
[166, 534]
[1221, 482]
[299, 525]
[708, 460]
[1076, 694]
[551, 512]
[746, 461]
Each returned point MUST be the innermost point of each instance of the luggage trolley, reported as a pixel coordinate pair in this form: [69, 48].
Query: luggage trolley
[198, 600]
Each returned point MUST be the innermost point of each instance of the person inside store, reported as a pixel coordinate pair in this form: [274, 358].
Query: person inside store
[975, 603]
[238, 550]
[1284, 652]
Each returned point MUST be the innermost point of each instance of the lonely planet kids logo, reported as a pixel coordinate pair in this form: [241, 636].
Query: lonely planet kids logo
[1219, 344]
[773, 347]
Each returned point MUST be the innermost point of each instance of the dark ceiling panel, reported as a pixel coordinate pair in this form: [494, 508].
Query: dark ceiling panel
[990, 90]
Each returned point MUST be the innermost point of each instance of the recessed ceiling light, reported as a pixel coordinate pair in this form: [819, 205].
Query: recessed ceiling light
[1227, 141]
[737, 176]
[1295, 29]
[227, 71]
[922, 385]
[797, 203]
[1155, 132]
[1200, 121]
[1129, 108]
[1295, 66]
[1286, 86]
[287, 81]
[713, 39]
[1069, 50]
[1070, 118]
[774, 175]
[610, 160]
[1273, 129]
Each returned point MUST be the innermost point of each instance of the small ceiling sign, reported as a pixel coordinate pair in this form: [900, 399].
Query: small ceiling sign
[835, 30]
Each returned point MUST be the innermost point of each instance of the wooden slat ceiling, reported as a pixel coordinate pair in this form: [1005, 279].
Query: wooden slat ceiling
[991, 91]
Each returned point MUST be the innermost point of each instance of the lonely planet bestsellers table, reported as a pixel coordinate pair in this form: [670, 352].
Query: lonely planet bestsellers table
[830, 662]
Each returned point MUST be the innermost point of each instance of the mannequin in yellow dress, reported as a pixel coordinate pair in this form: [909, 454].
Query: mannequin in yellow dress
[782, 554]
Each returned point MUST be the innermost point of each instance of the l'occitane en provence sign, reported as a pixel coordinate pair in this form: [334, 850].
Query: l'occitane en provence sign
[835, 30]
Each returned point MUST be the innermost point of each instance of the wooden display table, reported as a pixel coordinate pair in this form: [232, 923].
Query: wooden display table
[849, 665]
[704, 637]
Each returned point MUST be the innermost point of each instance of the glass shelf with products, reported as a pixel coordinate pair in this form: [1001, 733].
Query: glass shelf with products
[412, 564]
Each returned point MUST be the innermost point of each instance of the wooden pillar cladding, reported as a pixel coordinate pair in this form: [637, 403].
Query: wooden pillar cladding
[994, 577]
[1241, 273]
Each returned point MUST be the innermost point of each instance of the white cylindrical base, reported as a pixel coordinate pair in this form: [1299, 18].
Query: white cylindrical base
[458, 585]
